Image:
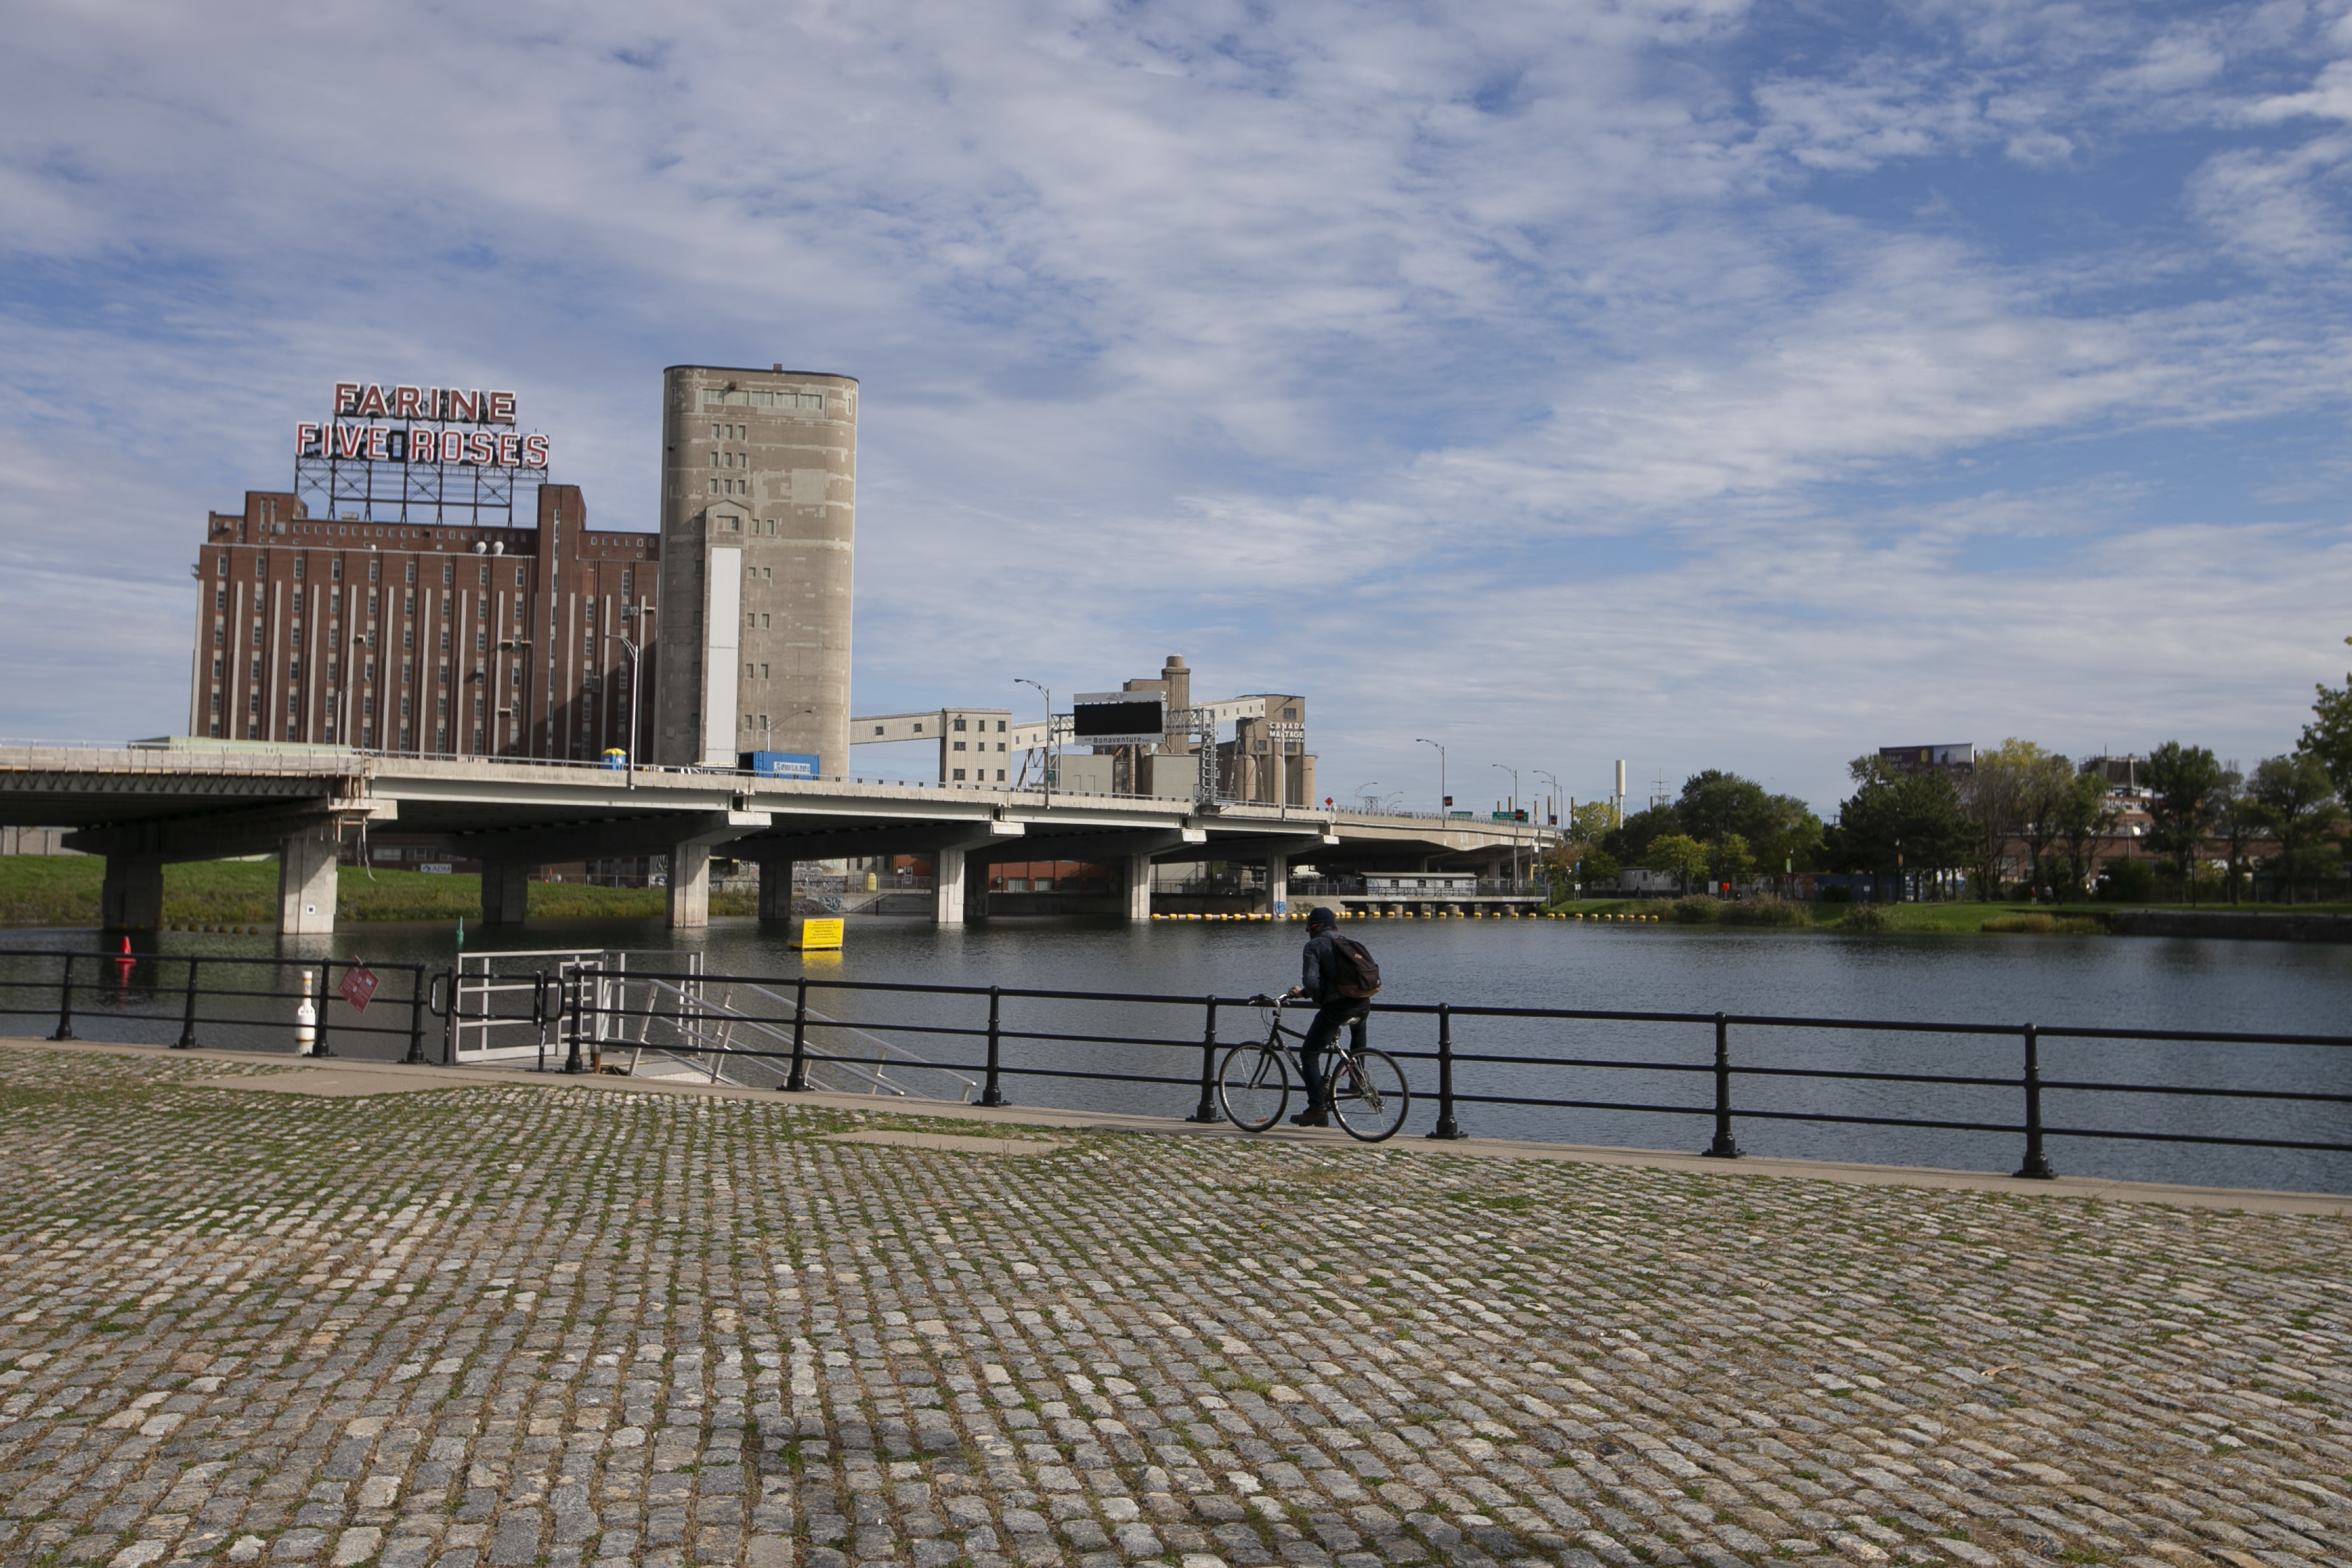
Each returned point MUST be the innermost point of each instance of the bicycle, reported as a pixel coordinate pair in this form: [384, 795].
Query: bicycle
[1368, 1091]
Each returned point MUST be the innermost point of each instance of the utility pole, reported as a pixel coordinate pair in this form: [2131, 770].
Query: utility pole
[1445, 801]
[1554, 780]
[1515, 827]
[1050, 754]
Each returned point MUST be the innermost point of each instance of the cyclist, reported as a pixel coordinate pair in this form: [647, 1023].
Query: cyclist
[1319, 982]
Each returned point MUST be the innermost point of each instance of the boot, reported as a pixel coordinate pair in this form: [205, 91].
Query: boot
[1313, 1116]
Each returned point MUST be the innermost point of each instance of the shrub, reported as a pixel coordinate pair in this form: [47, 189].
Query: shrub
[2127, 881]
[1764, 910]
[1868, 918]
[2046, 925]
[1697, 909]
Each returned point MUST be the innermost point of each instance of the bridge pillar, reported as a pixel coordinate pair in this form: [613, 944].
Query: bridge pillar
[132, 898]
[1138, 886]
[775, 888]
[307, 876]
[1277, 882]
[690, 886]
[947, 887]
[506, 892]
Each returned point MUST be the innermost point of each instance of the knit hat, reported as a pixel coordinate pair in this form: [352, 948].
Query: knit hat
[1319, 917]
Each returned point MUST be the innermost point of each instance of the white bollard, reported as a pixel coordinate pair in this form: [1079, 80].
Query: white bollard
[306, 1020]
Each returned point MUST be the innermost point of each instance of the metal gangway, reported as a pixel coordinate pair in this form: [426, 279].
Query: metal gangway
[519, 1006]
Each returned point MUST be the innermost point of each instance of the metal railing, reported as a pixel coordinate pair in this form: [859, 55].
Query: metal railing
[765, 1029]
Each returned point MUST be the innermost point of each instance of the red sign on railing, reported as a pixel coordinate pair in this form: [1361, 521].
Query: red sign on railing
[358, 987]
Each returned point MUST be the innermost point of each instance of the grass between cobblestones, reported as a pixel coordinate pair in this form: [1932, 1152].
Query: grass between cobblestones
[511, 1325]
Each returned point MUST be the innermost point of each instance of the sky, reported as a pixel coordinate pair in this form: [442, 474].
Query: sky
[1713, 385]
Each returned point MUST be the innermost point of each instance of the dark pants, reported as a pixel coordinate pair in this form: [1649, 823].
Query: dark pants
[1348, 1010]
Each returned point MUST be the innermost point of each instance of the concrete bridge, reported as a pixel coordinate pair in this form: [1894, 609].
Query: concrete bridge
[143, 807]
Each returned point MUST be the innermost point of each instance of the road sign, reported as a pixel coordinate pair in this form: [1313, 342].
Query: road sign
[819, 936]
[359, 984]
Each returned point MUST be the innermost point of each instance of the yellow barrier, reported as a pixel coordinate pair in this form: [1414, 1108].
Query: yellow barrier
[820, 935]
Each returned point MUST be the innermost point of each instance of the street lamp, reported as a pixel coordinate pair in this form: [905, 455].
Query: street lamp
[1556, 797]
[1050, 754]
[1443, 800]
[637, 682]
[1515, 831]
[1366, 799]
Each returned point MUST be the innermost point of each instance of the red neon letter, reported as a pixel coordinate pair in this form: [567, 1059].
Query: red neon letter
[403, 403]
[346, 395]
[375, 435]
[509, 452]
[502, 409]
[534, 451]
[481, 447]
[304, 436]
[464, 406]
[351, 440]
[371, 400]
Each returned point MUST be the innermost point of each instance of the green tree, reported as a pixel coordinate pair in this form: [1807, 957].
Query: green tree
[2180, 780]
[2082, 818]
[2328, 736]
[2045, 784]
[1898, 822]
[2237, 821]
[2298, 803]
[1780, 831]
[1629, 841]
[1728, 858]
[1676, 855]
[1991, 797]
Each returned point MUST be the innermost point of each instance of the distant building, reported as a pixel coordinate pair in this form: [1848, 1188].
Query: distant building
[2130, 772]
[1960, 757]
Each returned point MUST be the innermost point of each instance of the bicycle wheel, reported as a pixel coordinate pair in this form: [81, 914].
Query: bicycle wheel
[1369, 1095]
[1254, 1086]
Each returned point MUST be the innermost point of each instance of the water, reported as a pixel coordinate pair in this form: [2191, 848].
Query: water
[2269, 988]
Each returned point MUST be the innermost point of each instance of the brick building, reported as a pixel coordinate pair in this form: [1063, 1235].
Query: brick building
[422, 636]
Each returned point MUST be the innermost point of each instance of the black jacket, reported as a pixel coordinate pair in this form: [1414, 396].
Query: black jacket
[1319, 969]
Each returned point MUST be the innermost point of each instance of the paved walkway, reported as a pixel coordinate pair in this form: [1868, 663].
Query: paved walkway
[487, 1320]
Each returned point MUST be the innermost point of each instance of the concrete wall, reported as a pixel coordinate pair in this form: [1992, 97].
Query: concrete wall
[2237, 926]
[764, 462]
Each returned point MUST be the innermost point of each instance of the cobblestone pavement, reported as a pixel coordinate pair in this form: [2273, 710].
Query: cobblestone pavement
[517, 1325]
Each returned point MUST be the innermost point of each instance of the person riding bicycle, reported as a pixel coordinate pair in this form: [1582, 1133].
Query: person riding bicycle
[1319, 982]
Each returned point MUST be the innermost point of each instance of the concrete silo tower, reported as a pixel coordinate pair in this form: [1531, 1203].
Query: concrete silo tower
[758, 519]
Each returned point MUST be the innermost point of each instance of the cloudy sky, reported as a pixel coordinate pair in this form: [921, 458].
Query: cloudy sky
[1711, 385]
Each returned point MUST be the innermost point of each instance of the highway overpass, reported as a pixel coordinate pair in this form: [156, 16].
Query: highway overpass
[143, 807]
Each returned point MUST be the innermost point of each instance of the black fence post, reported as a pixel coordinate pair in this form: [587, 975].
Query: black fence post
[1446, 1126]
[797, 1082]
[326, 994]
[578, 980]
[1725, 1146]
[415, 1057]
[187, 1040]
[65, 1003]
[1207, 1110]
[2037, 1163]
[990, 1093]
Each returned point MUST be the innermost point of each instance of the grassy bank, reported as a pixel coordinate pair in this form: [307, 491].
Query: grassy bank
[63, 890]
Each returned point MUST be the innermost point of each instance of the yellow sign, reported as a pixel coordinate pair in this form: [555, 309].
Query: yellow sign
[819, 935]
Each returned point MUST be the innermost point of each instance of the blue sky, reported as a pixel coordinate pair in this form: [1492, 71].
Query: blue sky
[1713, 384]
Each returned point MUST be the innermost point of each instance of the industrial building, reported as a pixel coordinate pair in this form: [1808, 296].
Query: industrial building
[464, 636]
[757, 524]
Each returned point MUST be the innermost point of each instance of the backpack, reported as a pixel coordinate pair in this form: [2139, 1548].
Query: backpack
[1354, 973]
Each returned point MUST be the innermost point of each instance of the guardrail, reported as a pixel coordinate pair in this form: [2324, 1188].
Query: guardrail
[996, 1036]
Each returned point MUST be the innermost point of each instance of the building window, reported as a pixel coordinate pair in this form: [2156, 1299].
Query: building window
[957, 726]
[224, 565]
[256, 634]
[335, 569]
[449, 571]
[486, 577]
[297, 568]
[375, 574]
[959, 773]
[518, 579]
[215, 699]
[411, 574]
[959, 746]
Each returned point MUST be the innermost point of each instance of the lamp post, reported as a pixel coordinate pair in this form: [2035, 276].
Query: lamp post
[1553, 779]
[1443, 800]
[1364, 796]
[636, 681]
[1050, 754]
[1515, 828]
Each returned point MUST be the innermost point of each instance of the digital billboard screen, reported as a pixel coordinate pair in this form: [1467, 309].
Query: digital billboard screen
[1118, 719]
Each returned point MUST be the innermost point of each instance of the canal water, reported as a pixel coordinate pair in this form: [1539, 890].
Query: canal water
[2012, 981]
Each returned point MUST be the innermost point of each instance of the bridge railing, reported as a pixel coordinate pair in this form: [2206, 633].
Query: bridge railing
[1559, 1075]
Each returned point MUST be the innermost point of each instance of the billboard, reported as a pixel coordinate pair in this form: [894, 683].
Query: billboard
[1118, 718]
[780, 765]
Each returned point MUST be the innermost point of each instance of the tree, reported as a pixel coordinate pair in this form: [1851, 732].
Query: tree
[2180, 780]
[1728, 859]
[2297, 799]
[1780, 829]
[1676, 855]
[2083, 817]
[1629, 840]
[1990, 798]
[2328, 736]
[2237, 822]
[1896, 822]
[2026, 791]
